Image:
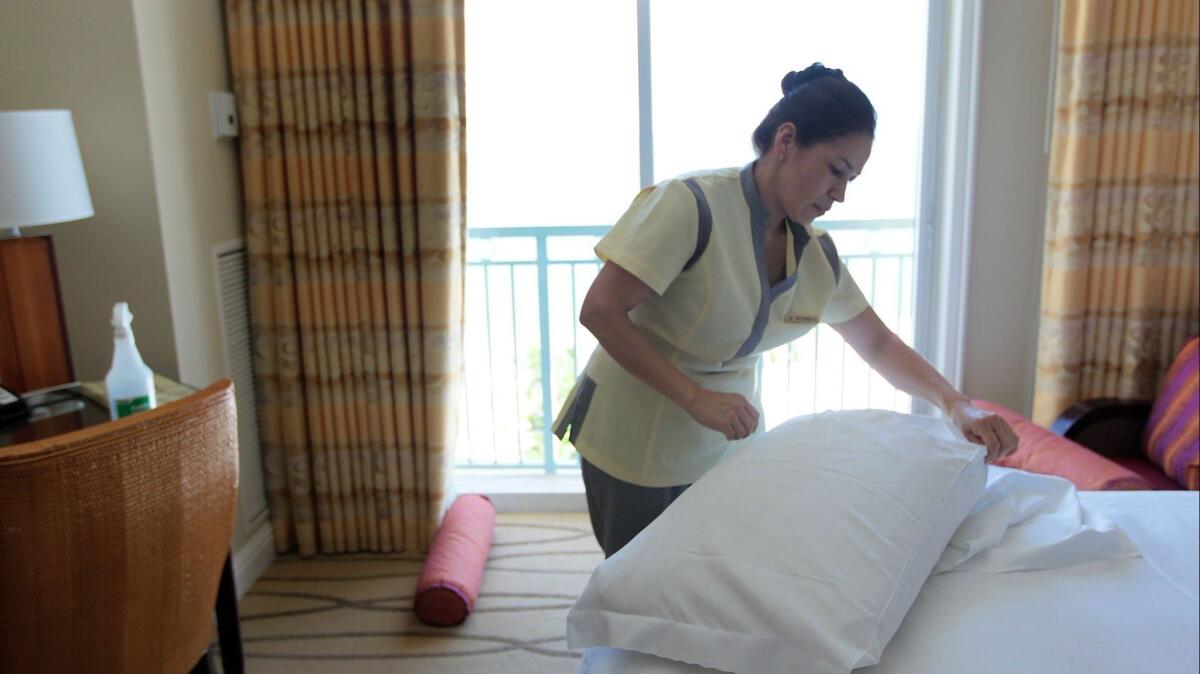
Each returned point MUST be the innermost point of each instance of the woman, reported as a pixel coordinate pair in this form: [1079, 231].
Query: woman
[703, 274]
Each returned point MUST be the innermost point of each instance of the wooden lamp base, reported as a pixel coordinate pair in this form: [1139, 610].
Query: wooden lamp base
[34, 351]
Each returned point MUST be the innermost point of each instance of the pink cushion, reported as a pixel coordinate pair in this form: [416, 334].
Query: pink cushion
[1172, 434]
[1041, 451]
[453, 571]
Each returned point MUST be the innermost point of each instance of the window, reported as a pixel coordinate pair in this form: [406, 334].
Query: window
[556, 152]
[552, 112]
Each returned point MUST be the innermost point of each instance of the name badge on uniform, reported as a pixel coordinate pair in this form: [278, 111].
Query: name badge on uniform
[800, 318]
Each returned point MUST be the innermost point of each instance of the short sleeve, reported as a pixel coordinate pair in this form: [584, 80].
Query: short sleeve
[656, 236]
[847, 301]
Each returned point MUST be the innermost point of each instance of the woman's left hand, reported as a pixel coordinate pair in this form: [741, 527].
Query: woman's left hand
[984, 428]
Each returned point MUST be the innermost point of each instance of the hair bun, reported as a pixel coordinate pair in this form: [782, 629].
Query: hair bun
[794, 80]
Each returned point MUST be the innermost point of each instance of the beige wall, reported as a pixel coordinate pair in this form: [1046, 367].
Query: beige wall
[197, 183]
[83, 56]
[1004, 273]
[196, 176]
[136, 74]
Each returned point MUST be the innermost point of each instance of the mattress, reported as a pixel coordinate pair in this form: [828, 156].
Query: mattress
[1127, 614]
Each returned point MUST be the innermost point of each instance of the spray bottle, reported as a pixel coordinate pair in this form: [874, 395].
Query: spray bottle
[129, 382]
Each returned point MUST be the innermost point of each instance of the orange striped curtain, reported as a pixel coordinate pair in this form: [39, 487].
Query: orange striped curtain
[1121, 285]
[352, 152]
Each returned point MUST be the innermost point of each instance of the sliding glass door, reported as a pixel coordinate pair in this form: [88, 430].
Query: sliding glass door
[573, 105]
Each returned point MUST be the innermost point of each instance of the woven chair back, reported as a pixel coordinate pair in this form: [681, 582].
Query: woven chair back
[112, 540]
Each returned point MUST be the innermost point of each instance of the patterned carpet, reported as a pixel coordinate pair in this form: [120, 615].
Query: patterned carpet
[354, 613]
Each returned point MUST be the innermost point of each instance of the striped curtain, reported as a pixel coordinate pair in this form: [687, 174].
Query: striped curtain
[1121, 285]
[353, 169]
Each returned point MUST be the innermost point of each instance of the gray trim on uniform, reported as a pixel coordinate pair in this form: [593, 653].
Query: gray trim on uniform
[758, 223]
[831, 255]
[705, 226]
[800, 239]
[578, 409]
[758, 212]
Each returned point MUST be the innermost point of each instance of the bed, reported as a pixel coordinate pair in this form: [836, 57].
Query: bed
[1124, 614]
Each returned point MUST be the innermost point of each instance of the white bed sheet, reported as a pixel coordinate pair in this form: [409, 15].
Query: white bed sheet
[1129, 614]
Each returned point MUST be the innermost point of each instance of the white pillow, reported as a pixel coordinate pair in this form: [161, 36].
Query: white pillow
[617, 661]
[803, 549]
[1029, 522]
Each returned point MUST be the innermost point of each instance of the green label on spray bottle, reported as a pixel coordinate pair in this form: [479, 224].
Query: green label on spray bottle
[130, 405]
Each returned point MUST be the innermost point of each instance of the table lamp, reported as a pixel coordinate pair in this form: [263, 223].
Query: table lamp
[41, 182]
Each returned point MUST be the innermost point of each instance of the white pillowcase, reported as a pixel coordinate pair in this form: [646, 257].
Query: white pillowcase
[1028, 522]
[800, 551]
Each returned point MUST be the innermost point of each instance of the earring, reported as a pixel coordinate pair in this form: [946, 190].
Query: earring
[781, 157]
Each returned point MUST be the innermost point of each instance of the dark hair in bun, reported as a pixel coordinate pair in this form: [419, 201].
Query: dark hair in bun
[823, 105]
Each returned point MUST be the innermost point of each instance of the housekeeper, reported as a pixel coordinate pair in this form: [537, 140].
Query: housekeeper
[703, 274]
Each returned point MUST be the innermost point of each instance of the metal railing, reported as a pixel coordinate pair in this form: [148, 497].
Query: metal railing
[524, 345]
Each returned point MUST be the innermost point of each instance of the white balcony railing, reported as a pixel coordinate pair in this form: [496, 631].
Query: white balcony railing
[524, 289]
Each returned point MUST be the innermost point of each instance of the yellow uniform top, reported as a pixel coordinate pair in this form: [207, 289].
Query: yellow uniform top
[697, 241]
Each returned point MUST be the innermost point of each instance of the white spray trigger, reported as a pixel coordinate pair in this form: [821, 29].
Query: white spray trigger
[121, 317]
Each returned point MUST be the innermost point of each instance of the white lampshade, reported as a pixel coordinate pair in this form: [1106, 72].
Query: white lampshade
[41, 173]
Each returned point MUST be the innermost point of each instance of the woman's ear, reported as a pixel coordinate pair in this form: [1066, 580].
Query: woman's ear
[785, 139]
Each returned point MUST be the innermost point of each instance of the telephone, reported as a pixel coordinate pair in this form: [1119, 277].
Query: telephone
[12, 406]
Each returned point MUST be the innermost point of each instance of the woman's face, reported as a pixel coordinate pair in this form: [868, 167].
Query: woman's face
[810, 179]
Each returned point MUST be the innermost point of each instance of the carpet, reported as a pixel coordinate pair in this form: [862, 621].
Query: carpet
[353, 613]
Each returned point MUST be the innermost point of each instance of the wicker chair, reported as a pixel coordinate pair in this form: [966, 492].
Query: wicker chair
[113, 538]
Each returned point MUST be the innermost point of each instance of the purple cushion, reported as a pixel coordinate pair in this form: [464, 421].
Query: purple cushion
[1172, 433]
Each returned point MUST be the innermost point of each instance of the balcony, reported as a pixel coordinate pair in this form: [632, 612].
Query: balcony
[524, 289]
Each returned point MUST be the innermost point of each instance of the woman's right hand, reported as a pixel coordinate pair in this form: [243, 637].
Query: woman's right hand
[727, 413]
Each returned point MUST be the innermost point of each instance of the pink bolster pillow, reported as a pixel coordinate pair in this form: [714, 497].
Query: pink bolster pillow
[453, 571]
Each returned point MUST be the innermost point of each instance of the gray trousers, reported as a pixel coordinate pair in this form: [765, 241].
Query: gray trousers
[619, 509]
